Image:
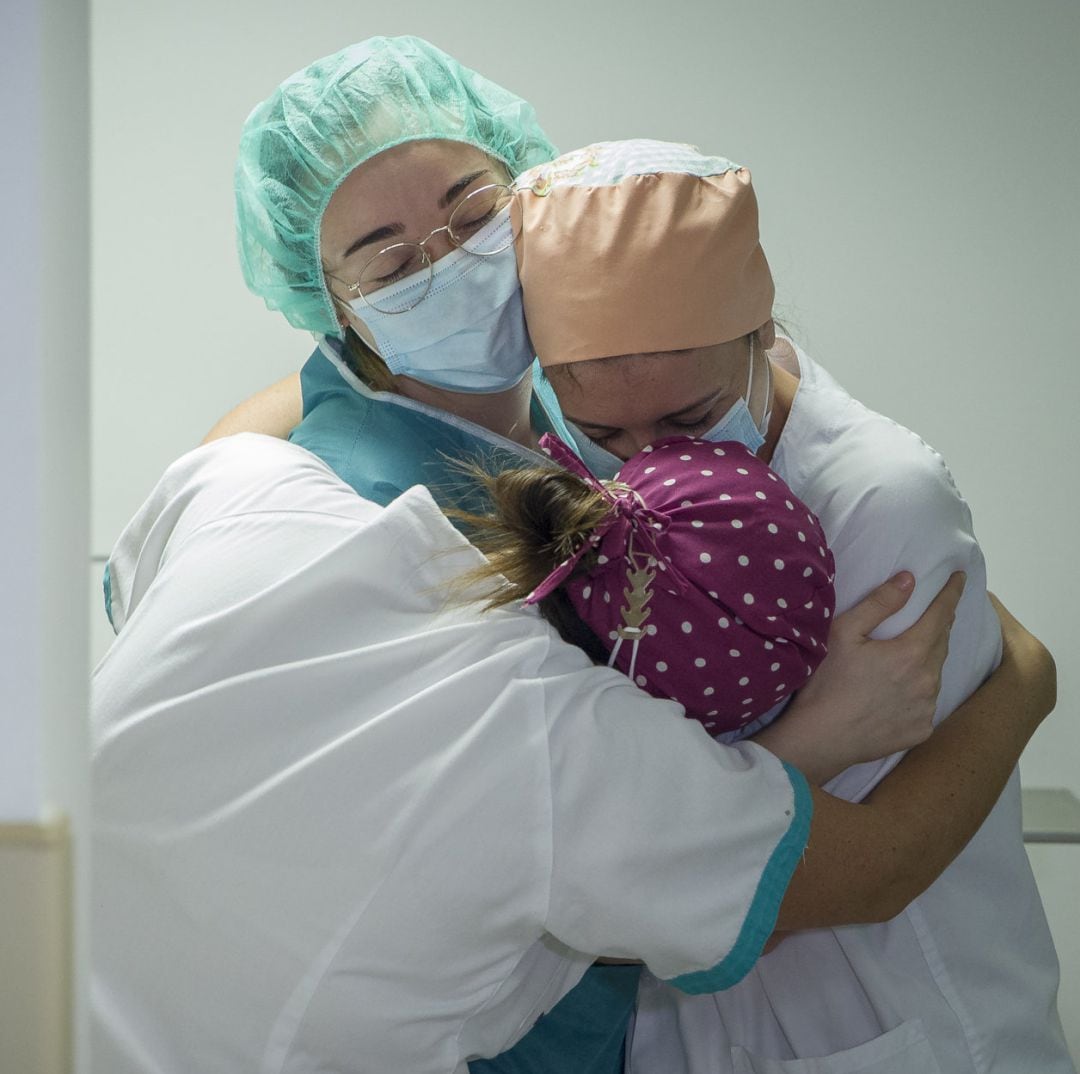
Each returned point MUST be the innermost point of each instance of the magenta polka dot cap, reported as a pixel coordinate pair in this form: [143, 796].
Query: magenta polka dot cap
[712, 582]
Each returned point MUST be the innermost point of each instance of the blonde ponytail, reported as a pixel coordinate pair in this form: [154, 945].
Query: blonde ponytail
[538, 518]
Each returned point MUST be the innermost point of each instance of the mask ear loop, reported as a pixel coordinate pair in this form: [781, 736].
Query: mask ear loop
[750, 372]
[763, 428]
[638, 594]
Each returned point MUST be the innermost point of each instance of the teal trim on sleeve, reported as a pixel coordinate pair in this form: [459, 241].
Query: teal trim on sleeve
[761, 918]
[584, 1033]
[106, 587]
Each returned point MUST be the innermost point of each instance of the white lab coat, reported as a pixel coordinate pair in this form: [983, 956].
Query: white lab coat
[964, 981]
[343, 823]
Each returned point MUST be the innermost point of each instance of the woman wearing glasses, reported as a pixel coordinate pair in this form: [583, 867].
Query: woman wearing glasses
[382, 226]
[371, 212]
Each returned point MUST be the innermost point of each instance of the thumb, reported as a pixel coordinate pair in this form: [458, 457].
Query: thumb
[887, 599]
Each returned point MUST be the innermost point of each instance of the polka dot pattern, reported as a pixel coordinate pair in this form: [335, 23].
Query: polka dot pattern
[742, 599]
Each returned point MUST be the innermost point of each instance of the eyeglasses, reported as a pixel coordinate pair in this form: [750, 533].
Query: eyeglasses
[467, 229]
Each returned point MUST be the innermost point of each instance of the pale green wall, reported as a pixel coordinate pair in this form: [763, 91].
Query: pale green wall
[915, 163]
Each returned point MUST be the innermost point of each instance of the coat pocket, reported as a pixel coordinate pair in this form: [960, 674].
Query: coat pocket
[903, 1050]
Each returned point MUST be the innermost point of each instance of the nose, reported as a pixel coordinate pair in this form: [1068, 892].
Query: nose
[438, 243]
[633, 440]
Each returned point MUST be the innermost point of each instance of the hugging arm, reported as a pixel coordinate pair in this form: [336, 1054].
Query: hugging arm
[689, 854]
[275, 411]
[865, 862]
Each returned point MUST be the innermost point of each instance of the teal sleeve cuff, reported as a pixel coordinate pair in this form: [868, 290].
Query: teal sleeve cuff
[761, 918]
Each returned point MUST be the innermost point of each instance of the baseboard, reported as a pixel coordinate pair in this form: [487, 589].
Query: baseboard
[35, 948]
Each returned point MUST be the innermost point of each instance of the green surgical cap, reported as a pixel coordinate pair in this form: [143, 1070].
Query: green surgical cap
[299, 145]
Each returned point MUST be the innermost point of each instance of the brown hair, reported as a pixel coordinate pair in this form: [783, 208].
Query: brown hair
[537, 519]
[366, 364]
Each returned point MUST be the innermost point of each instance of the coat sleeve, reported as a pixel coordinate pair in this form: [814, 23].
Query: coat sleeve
[667, 847]
[895, 506]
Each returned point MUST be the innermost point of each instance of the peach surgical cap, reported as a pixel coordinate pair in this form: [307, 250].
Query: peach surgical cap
[637, 247]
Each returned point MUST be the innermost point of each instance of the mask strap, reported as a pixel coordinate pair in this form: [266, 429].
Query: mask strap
[767, 416]
[763, 427]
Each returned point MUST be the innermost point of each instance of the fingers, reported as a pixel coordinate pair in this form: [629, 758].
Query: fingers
[949, 597]
[939, 615]
[866, 616]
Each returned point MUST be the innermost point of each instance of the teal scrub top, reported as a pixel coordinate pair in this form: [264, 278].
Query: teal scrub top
[381, 444]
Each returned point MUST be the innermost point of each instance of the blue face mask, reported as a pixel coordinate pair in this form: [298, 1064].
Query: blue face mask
[601, 462]
[738, 424]
[468, 333]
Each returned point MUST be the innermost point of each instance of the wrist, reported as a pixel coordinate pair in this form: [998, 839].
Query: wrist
[793, 741]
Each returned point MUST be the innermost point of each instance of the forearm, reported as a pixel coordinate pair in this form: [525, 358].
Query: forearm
[948, 786]
[866, 862]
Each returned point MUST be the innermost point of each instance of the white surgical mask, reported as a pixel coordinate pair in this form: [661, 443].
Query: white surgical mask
[468, 334]
[737, 423]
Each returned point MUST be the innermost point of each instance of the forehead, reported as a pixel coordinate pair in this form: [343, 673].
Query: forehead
[402, 181]
[640, 388]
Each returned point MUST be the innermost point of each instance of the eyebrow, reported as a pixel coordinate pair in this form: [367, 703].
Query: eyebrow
[393, 231]
[388, 231]
[709, 399]
[460, 186]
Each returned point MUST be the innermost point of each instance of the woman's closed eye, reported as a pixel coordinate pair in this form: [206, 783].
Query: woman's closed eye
[603, 438]
[679, 424]
[696, 421]
[384, 279]
[688, 424]
[465, 229]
